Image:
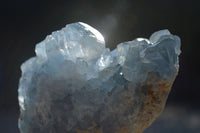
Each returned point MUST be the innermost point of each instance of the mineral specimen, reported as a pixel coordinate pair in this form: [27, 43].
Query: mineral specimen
[77, 85]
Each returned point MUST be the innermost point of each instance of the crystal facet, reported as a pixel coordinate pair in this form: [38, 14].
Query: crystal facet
[77, 85]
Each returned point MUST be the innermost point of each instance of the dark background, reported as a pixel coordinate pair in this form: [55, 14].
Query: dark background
[25, 23]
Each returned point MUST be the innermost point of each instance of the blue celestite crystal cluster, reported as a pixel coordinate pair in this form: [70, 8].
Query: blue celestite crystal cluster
[77, 85]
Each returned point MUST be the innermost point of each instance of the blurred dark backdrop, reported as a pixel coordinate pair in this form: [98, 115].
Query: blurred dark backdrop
[25, 23]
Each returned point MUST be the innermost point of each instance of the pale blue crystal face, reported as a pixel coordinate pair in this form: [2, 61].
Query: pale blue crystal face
[75, 81]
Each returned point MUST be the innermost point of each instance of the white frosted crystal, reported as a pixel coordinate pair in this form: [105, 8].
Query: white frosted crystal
[77, 40]
[75, 84]
[157, 35]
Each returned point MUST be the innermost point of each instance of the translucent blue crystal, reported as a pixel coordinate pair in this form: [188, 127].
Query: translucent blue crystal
[77, 85]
